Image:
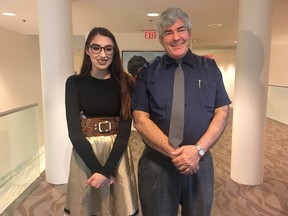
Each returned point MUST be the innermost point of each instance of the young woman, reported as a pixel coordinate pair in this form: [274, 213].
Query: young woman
[101, 179]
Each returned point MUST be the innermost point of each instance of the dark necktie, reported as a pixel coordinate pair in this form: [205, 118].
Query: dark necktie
[177, 111]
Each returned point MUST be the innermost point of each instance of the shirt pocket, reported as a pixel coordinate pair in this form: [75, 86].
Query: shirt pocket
[208, 91]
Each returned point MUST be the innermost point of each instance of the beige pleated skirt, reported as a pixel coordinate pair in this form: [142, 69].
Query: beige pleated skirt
[119, 199]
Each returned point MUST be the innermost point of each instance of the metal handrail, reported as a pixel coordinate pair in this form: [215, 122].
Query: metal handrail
[17, 109]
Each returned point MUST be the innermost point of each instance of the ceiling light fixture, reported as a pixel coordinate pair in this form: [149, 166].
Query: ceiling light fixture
[214, 25]
[8, 14]
[153, 14]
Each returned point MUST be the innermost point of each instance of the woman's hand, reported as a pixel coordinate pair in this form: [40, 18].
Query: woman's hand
[97, 180]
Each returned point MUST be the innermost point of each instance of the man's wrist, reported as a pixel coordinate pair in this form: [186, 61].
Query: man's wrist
[200, 150]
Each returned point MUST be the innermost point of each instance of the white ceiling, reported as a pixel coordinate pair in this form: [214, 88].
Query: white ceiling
[129, 16]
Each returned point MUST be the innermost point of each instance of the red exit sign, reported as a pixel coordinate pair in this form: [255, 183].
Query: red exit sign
[150, 35]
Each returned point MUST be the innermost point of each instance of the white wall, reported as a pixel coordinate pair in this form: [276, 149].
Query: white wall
[20, 77]
[278, 104]
[277, 107]
[78, 43]
[136, 41]
[279, 64]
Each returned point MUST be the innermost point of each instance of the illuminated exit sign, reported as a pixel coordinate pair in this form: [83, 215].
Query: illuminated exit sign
[150, 35]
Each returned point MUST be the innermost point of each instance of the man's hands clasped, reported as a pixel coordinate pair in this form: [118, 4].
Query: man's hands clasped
[186, 159]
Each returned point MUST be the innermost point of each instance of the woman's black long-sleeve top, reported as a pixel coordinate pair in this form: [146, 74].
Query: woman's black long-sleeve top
[96, 98]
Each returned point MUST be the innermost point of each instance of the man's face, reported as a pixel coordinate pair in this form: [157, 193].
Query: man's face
[176, 40]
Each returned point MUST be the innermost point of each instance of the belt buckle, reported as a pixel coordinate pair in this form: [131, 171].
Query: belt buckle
[102, 123]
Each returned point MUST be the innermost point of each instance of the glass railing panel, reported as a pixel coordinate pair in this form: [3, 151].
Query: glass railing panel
[277, 104]
[19, 155]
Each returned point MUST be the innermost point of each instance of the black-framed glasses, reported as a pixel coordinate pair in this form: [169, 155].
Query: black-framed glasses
[96, 49]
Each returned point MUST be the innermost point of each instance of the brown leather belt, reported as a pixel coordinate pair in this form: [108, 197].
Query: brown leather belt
[103, 126]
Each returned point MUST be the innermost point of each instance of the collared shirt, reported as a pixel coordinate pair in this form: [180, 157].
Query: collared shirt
[204, 92]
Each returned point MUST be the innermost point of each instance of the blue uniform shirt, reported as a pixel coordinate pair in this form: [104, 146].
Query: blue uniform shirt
[204, 91]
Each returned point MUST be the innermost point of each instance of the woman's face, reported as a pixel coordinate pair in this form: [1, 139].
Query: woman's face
[101, 51]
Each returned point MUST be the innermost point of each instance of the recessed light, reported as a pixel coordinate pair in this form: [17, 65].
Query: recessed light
[215, 25]
[153, 14]
[8, 14]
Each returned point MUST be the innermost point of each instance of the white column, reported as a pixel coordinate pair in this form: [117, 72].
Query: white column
[56, 53]
[251, 87]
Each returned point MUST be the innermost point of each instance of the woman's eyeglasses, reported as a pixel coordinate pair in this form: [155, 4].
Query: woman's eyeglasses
[96, 49]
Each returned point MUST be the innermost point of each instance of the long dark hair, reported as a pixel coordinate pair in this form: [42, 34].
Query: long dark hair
[115, 68]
